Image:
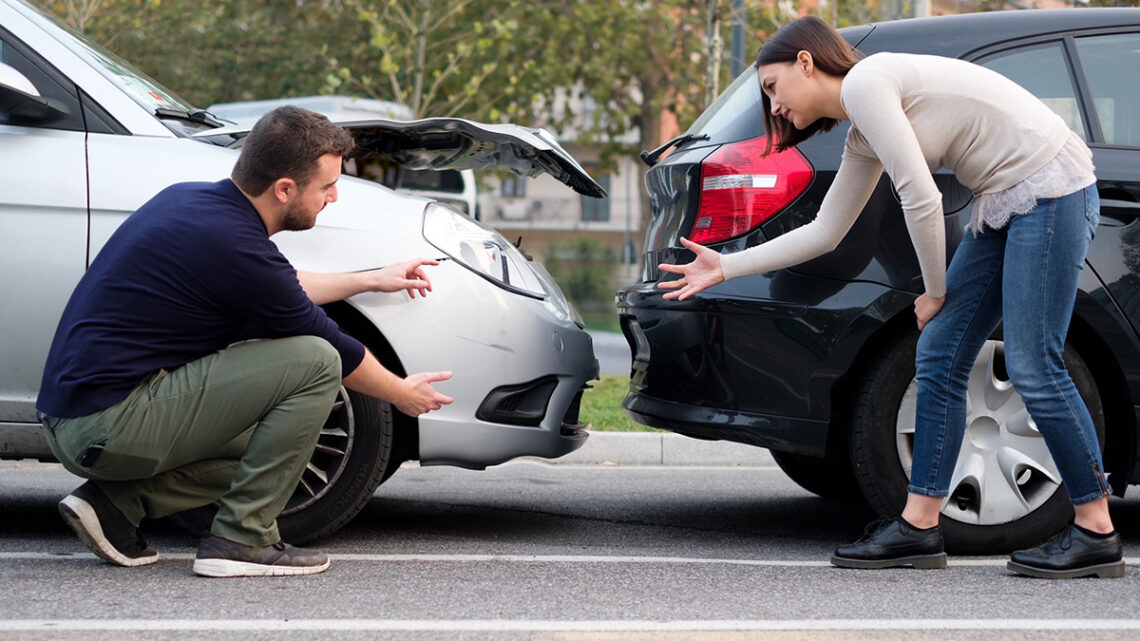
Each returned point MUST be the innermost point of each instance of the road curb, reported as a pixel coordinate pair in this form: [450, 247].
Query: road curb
[657, 448]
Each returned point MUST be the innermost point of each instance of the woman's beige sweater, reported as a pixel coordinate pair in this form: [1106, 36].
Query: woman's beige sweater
[911, 115]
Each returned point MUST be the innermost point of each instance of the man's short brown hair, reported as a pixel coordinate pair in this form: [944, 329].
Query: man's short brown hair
[287, 142]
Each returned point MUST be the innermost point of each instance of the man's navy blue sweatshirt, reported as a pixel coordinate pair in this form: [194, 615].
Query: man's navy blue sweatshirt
[186, 275]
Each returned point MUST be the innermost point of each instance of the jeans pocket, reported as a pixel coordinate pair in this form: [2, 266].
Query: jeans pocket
[1092, 209]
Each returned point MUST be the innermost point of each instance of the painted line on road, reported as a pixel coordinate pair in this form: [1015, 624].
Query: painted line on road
[601, 464]
[523, 625]
[532, 558]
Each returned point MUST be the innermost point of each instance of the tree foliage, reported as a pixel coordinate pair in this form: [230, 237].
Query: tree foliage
[464, 58]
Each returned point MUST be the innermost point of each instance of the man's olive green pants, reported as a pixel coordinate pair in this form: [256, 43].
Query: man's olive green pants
[238, 425]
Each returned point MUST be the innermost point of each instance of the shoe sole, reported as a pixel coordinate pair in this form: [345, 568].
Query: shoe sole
[1113, 570]
[919, 562]
[81, 517]
[223, 568]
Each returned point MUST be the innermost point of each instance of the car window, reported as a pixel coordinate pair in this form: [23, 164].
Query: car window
[1045, 73]
[136, 84]
[1112, 66]
[47, 81]
[449, 180]
[737, 114]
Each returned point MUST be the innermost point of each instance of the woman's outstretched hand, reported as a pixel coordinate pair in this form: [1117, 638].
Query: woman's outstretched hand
[702, 273]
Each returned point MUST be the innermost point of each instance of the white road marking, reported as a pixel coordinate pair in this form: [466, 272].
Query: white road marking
[523, 625]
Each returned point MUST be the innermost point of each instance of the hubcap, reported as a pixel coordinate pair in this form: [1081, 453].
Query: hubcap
[329, 457]
[1004, 468]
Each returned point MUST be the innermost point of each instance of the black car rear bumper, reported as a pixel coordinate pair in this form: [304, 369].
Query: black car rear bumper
[757, 371]
[774, 432]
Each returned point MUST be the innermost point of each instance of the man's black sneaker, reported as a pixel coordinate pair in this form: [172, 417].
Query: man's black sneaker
[1070, 555]
[218, 557]
[104, 529]
[893, 543]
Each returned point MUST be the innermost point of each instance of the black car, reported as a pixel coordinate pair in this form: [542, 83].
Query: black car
[816, 362]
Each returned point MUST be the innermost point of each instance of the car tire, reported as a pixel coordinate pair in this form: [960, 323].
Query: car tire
[350, 461]
[882, 433]
[829, 477]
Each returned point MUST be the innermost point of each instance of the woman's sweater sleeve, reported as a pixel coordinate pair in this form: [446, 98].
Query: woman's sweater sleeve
[853, 184]
[873, 102]
[881, 138]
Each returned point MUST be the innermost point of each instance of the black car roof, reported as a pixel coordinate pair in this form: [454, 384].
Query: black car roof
[957, 35]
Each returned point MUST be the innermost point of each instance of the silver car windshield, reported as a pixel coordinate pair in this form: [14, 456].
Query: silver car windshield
[144, 89]
[141, 87]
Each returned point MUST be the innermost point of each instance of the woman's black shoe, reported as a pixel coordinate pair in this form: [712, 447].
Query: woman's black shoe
[893, 543]
[1070, 555]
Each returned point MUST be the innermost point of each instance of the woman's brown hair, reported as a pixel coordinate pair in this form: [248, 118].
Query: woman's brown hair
[830, 53]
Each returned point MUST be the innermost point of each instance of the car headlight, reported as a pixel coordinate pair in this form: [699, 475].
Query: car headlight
[555, 300]
[480, 249]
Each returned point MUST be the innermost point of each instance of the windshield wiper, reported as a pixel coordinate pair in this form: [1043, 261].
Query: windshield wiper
[193, 115]
[650, 157]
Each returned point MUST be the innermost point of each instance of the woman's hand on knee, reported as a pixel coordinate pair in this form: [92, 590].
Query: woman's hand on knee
[925, 308]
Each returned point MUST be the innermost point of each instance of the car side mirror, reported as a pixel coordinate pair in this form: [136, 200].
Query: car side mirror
[22, 104]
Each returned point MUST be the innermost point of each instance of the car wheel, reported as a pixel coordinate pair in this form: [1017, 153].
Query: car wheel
[350, 461]
[1006, 492]
[830, 477]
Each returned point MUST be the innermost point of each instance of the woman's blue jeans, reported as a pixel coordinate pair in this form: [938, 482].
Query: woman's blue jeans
[1024, 275]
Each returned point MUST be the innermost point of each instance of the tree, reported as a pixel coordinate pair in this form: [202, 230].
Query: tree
[464, 58]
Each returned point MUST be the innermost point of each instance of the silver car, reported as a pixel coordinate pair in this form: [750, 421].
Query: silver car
[85, 140]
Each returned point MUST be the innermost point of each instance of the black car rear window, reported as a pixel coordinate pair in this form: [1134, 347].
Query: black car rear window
[737, 113]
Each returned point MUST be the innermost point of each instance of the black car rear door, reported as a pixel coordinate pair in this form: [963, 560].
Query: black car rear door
[1093, 82]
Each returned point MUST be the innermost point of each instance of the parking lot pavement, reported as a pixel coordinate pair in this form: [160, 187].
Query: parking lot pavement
[529, 551]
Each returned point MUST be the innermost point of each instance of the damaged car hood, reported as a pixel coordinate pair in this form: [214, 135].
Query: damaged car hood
[454, 143]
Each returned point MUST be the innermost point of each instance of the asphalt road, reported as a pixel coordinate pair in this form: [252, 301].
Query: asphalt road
[536, 551]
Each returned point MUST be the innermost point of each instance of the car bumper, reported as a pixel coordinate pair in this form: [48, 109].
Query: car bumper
[756, 371]
[527, 414]
[693, 416]
[519, 367]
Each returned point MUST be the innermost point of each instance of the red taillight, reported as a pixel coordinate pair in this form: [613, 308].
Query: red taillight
[740, 189]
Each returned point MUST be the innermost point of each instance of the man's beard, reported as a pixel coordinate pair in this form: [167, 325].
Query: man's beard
[296, 218]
